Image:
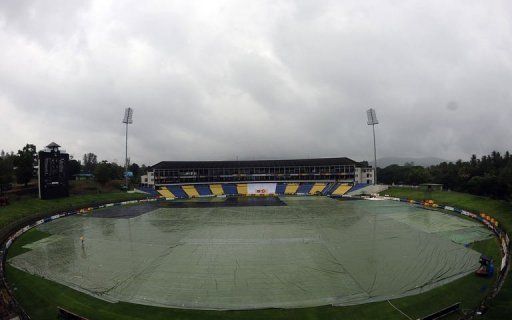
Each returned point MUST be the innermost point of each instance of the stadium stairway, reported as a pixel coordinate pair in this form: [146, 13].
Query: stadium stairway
[203, 190]
[242, 189]
[229, 189]
[329, 188]
[280, 188]
[291, 188]
[341, 190]
[164, 192]
[217, 189]
[190, 191]
[304, 188]
[177, 191]
[317, 188]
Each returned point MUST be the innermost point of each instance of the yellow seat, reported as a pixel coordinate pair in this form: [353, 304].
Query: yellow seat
[190, 191]
[217, 189]
[166, 193]
[341, 190]
[291, 188]
[317, 187]
[242, 188]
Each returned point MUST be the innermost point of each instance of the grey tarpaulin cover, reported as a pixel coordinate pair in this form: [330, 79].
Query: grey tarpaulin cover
[314, 251]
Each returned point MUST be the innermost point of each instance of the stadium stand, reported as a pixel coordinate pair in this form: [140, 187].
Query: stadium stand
[341, 190]
[280, 188]
[190, 191]
[229, 189]
[291, 188]
[242, 188]
[217, 189]
[317, 188]
[304, 188]
[358, 186]
[177, 191]
[203, 190]
[164, 192]
[149, 190]
[329, 188]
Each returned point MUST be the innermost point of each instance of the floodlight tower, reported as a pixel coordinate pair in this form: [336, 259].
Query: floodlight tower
[372, 121]
[128, 114]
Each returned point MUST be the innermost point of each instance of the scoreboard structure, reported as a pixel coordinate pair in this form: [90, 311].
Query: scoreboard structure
[53, 172]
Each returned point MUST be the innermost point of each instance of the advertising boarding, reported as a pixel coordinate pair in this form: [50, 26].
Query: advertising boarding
[261, 188]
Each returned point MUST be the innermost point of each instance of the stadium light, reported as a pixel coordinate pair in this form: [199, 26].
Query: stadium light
[372, 121]
[128, 119]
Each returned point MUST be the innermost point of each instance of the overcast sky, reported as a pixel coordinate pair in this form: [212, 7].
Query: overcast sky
[218, 80]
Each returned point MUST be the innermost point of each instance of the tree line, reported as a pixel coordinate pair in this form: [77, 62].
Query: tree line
[490, 175]
[21, 167]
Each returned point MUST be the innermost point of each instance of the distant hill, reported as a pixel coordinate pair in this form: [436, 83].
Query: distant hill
[424, 162]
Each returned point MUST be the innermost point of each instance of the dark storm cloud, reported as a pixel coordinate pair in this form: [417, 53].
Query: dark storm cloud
[259, 79]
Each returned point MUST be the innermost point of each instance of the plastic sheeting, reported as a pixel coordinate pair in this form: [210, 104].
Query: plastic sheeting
[314, 251]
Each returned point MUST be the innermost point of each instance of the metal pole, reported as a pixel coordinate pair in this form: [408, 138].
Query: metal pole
[374, 157]
[126, 159]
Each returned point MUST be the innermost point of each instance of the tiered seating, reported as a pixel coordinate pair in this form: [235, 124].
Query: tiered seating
[166, 193]
[304, 188]
[280, 188]
[341, 190]
[217, 189]
[242, 188]
[317, 188]
[149, 190]
[190, 191]
[358, 186]
[203, 190]
[229, 189]
[291, 188]
[177, 191]
[329, 188]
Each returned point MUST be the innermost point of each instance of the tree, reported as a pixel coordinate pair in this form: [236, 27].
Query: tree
[6, 170]
[103, 172]
[74, 167]
[90, 162]
[25, 160]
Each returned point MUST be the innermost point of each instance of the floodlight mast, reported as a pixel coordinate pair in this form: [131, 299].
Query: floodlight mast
[128, 114]
[372, 121]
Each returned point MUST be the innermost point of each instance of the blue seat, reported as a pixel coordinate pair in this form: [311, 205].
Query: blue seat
[177, 191]
[229, 189]
[304, 188]
[203, 190]
[280, 188]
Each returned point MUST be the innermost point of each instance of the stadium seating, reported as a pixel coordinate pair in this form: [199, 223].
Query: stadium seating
[203, 190]
[291, 188]
[304, 188]
[217, 189]
[280, 188]
[358, 186]
[177, 191]
[190, 191]
[317, 188]
[149, 190]
[164, 192]
[341, 190]
[329, 188]
[242, 188]
[229, 189]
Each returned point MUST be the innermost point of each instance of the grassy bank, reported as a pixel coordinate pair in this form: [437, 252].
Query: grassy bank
[40, 297]
[502, 210]
[30, 207]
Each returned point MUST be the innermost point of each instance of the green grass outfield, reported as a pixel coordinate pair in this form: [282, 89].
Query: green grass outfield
[501, 306]
[41, 297]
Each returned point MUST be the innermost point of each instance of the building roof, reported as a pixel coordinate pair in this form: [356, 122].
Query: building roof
[254, 163]
[53, 145]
